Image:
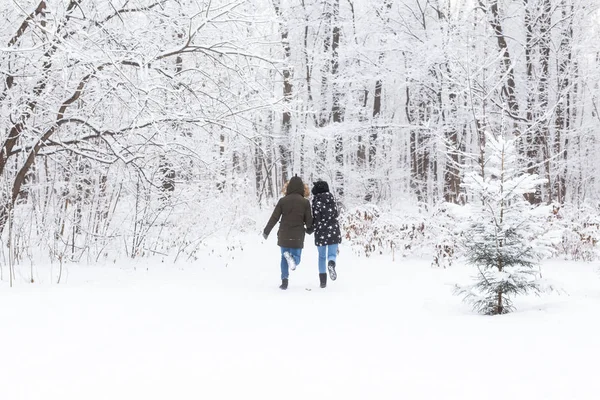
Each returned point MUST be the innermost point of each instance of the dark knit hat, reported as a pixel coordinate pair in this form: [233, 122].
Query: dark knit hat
[320, 187]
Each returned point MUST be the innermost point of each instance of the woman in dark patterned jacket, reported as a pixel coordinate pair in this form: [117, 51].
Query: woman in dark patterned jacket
[326, 229]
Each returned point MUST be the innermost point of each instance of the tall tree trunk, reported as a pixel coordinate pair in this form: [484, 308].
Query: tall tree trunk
[545, 43]
[563, 108]
[508, 86]
[336, 107]
[418, 160]
[325, 111]
[537, 58]
[361, 153]
[286, 118]
[374, 134]
[447, 98]
[530, 133]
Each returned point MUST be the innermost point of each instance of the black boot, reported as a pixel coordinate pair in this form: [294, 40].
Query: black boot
[284, 283]
[323, 279]
[331, 268]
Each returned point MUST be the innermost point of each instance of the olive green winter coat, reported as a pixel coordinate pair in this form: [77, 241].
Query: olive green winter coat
[295, 213]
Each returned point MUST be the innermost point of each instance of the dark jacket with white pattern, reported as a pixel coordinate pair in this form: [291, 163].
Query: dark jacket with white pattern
[325, 219]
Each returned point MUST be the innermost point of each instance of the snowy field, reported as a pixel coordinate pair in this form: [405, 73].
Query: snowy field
[221, 329]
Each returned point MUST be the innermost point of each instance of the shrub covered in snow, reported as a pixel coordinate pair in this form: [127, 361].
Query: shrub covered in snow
[580, 228]
[369, 230]
[372, 231]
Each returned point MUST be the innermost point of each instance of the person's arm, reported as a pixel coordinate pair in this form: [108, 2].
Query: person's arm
[336, 213]
[273, 220]
[315, 212]
[308, 218]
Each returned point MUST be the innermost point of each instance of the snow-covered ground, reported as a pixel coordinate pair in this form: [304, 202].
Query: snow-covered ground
[383, 330]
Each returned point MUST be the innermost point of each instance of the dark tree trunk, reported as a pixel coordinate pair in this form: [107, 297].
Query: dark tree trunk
[537, 58]
[563, 108]
[286, 119]
[325, 112]
[336, 108]
[509, 86]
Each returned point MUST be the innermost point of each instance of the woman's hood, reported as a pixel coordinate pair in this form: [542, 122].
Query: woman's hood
[295, 186]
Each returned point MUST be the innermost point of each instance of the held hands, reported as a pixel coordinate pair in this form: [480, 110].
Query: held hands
[310, 230]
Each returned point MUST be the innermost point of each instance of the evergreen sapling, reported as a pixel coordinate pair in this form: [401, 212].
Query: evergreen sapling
[503, 235]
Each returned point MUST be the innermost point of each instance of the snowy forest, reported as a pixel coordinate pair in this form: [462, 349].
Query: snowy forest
[148, 148]
[133, 128]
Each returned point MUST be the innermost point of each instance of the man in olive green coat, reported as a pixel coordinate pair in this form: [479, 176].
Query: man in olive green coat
[295, 213]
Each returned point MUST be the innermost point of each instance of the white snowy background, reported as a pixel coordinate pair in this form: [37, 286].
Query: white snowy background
[144, 144]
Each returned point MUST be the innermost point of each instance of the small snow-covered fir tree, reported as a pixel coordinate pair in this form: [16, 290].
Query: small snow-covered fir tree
[504, 235]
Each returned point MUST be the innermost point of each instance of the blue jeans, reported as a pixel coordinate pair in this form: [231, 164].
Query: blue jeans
[326, 253]
[296, 253]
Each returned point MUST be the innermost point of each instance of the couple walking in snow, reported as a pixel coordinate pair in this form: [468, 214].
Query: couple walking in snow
[297, 218]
